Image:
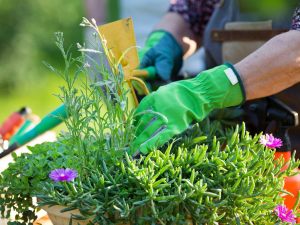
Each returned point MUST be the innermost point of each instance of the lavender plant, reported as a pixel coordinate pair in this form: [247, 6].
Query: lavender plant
[211, 174]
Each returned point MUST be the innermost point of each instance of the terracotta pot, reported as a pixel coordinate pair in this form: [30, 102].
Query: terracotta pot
[59, 218]
[63, 218]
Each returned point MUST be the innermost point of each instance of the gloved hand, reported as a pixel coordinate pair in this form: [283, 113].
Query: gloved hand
[163, 52]
[173, 107]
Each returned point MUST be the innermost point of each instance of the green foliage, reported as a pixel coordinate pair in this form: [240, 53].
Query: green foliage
[210, 174]
[26, 28]
[204, 183]
[28, 171]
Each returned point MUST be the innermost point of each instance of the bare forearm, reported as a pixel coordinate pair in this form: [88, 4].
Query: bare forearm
[273, 67]
[175, 24]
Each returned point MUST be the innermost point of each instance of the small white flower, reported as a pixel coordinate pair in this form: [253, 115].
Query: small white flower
[123, 105]
[94, 21]
[86, 65]
[79, 45]
[89, 50]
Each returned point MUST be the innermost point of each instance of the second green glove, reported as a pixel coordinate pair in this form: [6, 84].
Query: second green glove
[163, 52]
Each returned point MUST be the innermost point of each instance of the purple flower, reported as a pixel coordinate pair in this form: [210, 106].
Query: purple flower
[63, 175]
[285, 214]
[270, 141]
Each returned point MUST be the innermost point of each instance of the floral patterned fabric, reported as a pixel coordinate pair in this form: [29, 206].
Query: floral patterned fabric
[198, 12]
[296, 20]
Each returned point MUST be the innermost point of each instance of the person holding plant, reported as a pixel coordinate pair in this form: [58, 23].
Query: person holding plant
[274, 66]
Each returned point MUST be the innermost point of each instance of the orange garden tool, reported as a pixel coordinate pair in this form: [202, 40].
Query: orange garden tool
[48, 122]
[13, 122]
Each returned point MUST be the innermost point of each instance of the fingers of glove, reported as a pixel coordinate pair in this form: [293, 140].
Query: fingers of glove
[151, 119]
[163, 64]
[142, 52]
[145, 104]
[164, 67]
[153, 136]
[148, 59]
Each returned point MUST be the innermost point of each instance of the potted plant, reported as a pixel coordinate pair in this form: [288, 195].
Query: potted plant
[211, 174]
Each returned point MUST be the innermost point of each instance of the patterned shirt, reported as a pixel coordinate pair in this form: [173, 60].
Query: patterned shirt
[198, 12]
[296, 20]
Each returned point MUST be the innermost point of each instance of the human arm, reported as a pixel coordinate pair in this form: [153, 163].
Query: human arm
[188, 18]
[273, 67]
[175, 24]
[178, 34]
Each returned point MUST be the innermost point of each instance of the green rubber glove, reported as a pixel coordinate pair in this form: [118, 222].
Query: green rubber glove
[173, 107]
[163, 52]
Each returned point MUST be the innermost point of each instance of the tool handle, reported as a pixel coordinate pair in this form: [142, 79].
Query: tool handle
[47, 123]
[9, 150]
[54, 118]
[25, 127]
[148, 73]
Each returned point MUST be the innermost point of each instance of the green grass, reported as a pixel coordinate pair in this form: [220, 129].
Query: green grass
[39, 96]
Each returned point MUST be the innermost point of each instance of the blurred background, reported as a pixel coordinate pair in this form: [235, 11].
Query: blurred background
[27, 39]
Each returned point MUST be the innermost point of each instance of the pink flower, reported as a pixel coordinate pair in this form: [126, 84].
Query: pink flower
[63, 175]
[285, 214]
[270, 141]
